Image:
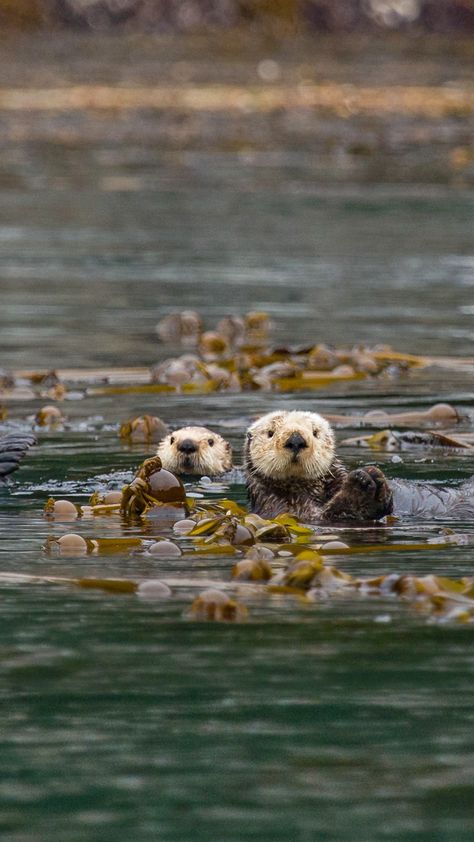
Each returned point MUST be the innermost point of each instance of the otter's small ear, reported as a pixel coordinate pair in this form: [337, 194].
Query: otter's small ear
[227, 446]
[249, 436]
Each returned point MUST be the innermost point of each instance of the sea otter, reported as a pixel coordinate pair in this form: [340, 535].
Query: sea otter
[195, 450]
[12, 449]
[291, 465]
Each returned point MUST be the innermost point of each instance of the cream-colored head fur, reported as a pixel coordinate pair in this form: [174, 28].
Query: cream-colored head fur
[195, 450]
[275, 454]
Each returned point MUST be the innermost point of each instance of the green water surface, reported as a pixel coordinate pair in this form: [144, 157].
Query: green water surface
[121, 719]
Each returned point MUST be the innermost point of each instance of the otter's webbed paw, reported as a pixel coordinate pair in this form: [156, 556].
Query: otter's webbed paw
[365, 495]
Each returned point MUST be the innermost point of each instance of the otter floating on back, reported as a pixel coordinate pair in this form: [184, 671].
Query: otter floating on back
[195, 450]
[291, 466]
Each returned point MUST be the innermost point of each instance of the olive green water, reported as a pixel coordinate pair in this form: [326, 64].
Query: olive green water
[121, 720]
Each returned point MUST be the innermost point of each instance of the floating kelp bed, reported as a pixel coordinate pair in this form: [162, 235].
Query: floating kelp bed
[283, 555]
[193, 376]
[279, 557]
[235, 356]
[155, 518]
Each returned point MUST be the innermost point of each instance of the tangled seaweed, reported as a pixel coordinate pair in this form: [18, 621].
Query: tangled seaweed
[153, 487]
[235, 356]
[271, 557]
[281, 556]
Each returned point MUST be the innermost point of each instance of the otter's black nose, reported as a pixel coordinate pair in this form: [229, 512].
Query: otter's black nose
[187, 446]
[295, 443]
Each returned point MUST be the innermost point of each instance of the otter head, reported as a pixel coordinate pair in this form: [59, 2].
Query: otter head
[290, 444]
[195, 450]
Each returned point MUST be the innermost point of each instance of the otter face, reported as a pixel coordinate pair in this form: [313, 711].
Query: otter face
[195, 450]
[290, 444]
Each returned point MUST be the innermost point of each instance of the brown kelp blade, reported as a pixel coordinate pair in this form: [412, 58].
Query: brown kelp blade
[392, 440]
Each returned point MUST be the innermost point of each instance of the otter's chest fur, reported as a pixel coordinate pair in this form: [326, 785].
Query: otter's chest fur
[301, 497]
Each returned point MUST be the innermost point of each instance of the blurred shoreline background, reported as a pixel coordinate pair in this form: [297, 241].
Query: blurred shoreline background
[372, 91]
[272, 17]
[316, 159]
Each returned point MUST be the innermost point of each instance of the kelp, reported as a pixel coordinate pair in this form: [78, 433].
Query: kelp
[214, 605]
[439, 598]
[73, 544]
[153, 487]
[282, 556]
[408, 546]
[67, 510]
[438, 415]
[219, 526]
[144, 428]
[220, 523]
[207, 387]
[106, 499]
[252, 570]
[395, 440]
[305, 380]
[236, 355]
[87, 376]
[49, 416]
[61, 509]
[126, 586]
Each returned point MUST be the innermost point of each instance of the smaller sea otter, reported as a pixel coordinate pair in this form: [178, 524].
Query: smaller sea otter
[291, 466]
[195, 450]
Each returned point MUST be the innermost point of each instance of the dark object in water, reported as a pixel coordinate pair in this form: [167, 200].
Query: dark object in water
[12, 450]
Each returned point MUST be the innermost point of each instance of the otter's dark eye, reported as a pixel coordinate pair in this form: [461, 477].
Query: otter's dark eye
[270, 433]
[210, 442]
[315, 433]
[172, 440]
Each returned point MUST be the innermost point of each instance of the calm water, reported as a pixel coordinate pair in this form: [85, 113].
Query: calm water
[122, 720]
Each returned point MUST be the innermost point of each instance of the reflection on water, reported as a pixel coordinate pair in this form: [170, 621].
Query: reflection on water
[367, 263]
[122, 721]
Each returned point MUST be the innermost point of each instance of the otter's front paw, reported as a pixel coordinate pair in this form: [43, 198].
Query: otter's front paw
[365, 495]
[370, 492]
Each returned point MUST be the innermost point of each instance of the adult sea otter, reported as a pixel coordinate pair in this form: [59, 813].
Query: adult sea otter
[291, 466]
